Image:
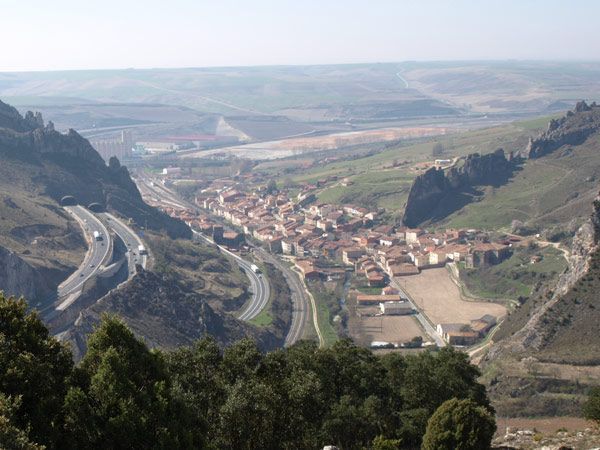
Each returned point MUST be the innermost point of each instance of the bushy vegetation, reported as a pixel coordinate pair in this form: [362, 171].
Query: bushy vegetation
[123, 395]
[328, 295]
[571, 324]
[591, 408]
[459, 424]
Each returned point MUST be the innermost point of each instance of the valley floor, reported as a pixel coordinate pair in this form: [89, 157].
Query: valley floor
[441, 300]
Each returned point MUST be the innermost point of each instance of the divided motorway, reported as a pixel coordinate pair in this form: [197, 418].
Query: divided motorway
[300, 300]
[131, 240]
[259, 284]
[97, 255]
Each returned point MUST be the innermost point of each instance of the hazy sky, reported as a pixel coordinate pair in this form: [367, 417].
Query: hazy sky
[85, 34]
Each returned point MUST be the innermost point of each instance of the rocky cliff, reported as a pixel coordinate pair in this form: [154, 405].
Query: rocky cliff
[20, 279]
[437, 192]
[567, 311]
[66, 164]
[572, 129]
[11, 119]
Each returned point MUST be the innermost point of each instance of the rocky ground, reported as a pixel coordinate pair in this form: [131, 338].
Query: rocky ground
[561, 439]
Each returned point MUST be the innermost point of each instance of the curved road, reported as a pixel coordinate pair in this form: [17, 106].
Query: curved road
[130, 239]
[260, 287]
[258, 283]
[93, 260]
[300, 299]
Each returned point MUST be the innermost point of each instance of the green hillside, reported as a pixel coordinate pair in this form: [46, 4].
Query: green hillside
[554, 189]
[382, 175]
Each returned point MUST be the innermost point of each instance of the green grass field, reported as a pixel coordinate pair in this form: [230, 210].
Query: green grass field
[516, 276]
[264, 319]
[324, 298]
[555, 189]
[384, 179]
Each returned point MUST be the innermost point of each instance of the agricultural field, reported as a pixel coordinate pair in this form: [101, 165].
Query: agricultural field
[265, 128]
[306, 144]
[505, 86]
[441, 300]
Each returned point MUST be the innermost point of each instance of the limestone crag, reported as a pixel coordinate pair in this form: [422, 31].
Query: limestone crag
[430, 189]
[67, 164]
[572, 129]
[18, 278]
[10, 118]
[585, 244]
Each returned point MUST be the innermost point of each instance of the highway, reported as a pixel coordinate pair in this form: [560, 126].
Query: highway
[96, 256]
[258, 283]
[259, 286]
[131, 240]
[157, 192]
[300, 299]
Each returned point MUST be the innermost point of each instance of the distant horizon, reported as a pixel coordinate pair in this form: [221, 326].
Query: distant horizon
[323, 64]
[71, 35]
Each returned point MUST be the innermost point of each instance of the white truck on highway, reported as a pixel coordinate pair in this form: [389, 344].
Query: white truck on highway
[97, 236]
[255, 268]
[142, 250]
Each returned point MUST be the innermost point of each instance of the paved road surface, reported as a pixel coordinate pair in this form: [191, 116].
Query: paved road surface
[131, 240]
[261, 290]
[96, 256]
[300, 299]
[259, 285]
[98, 251]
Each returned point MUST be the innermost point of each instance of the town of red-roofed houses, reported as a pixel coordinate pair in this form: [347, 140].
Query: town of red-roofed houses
[324, 243]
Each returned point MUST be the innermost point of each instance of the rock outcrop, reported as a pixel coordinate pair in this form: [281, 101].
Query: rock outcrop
[18, 278]
[71, 166]
[11, 119]
[533, 335]
[437, 186]
[572, 129]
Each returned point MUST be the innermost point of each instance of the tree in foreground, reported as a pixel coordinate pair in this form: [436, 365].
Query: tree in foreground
[124, 395]
[591, 408]
[12, 437]
[460, 425]
[121, 396]
[34, 368]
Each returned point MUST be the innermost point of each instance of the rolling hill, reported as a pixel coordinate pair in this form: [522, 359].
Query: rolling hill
[40, 245]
